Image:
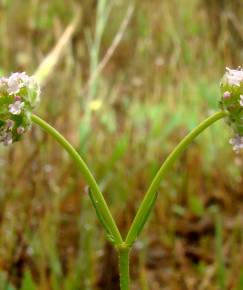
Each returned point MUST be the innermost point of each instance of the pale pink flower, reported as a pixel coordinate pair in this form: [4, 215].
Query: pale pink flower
[20, 130]
[234, 76]
[226, 95]
[237, 143]
[9, 124]
[16, 107]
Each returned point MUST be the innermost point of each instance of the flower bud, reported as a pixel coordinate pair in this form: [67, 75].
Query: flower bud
[232, 102]
[19, 95]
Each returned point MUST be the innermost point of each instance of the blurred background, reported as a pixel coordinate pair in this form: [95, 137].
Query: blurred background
[124, 81]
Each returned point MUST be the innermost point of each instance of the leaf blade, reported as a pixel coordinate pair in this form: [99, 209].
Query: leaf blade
[100, 217]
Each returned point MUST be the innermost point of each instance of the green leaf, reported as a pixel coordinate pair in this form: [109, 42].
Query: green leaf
[100, 217]
[144, 218]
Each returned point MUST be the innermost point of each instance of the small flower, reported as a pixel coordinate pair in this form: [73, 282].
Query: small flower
[17, 98]
[24, 77]
[17, 81]
[9, 124]
[226, 95]
[20, 130]
[16, 107]
[234, 76]
[95, 105]
[13, 84]
[6, 138]
[237, 143]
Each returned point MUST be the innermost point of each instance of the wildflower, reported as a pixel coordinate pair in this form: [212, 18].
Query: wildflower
[13, 84]
[95, 105]
[9, 124]
[232, 102]
[20, 130]
[17, 98]
[237, 143]
[226, 95]
[24, 77]
[19, 94]
[234, 76]
[16, 107]
[6, 138]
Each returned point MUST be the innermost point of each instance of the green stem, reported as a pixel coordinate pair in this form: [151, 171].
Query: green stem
[89, 178]
[124, 267]
[174, 155]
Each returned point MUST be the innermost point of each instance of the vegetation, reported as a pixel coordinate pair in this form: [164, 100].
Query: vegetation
[158, 78]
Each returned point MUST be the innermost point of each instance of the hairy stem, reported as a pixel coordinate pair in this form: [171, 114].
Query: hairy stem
[89, 178]
[174, 155]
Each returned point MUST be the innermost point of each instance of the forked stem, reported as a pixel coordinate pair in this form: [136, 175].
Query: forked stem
[149, 198]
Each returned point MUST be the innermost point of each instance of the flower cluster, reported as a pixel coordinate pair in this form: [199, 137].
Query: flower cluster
[232, 102]
[19, 94]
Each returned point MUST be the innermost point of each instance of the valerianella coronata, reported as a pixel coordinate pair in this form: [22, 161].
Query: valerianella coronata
[232, 101]
[19, 94]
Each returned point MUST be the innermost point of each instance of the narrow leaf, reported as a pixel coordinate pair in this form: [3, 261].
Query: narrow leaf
[100, 217]
[144, 218]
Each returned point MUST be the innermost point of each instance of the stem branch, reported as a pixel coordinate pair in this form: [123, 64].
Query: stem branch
[174, 155]
[89, 178]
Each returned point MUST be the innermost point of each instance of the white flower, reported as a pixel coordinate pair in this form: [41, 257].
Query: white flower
[19, 95]
[237, 143]
[16, 107]
[234, 76]
[17, 81]
[9, 124]
[6, 138]
[20, 130]
[24, 77]
[13, 84]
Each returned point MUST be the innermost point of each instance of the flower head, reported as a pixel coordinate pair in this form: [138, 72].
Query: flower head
[232, 102]
[234, 77]
[19, 94]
